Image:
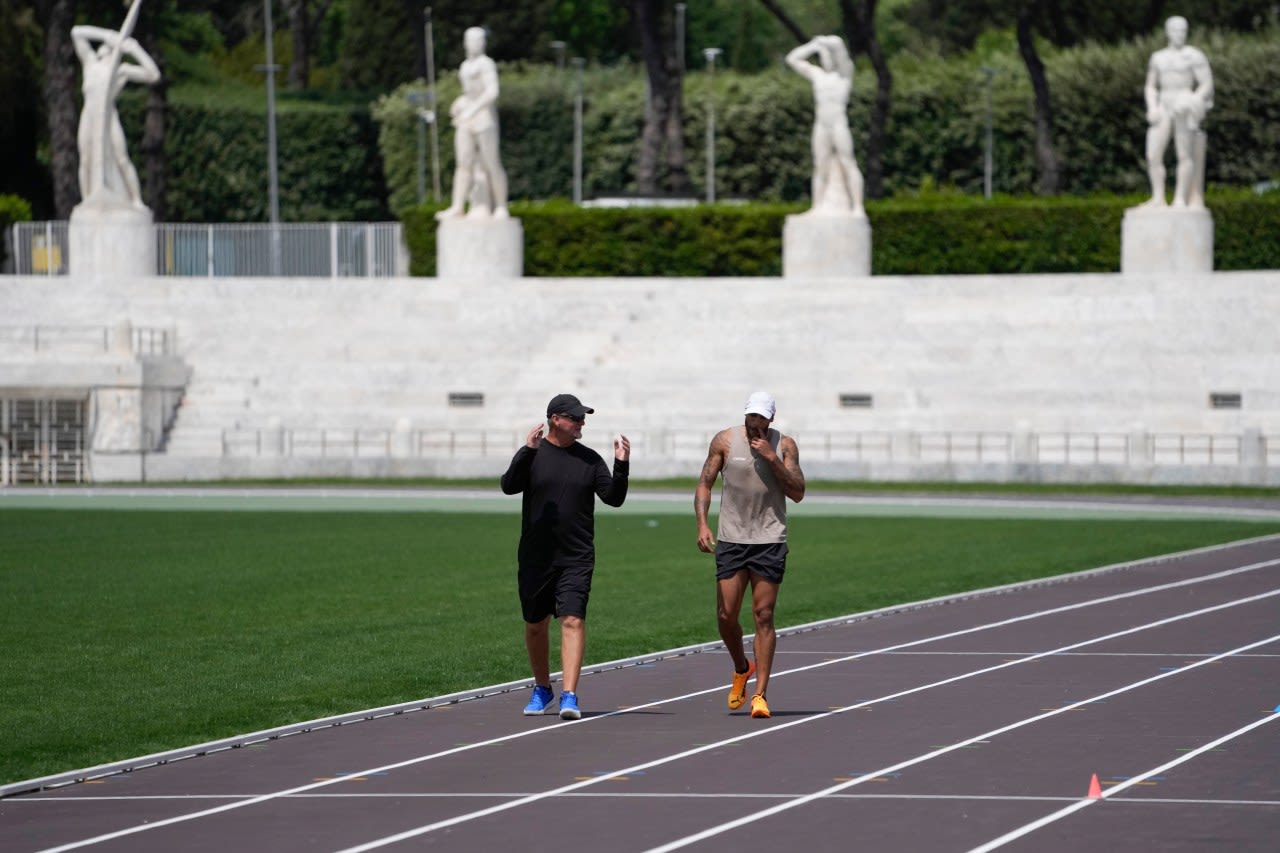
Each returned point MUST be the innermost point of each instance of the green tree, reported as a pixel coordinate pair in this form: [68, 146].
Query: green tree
[21, 112]
[597, 30]
[380, 47]
[385, 40]
[664, 119]
[305, 20]
[59, 93]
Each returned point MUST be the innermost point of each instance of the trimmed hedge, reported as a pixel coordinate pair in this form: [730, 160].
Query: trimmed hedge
[12, 209]
[940, 235]
[327, 158]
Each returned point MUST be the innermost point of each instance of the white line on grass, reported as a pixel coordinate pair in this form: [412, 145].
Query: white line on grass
[587, 720]
[658, 502]
[1110, 792]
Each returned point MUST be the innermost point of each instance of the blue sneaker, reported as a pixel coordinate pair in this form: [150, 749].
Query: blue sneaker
[542, 697]
[569, 706]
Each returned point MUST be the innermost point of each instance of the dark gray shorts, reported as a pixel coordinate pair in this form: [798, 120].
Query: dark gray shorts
[769, 560]
[554, 591]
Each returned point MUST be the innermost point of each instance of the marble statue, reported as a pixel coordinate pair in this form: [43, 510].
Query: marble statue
[107, 177]
[474, 114]
[837, 182]
[1178, 92]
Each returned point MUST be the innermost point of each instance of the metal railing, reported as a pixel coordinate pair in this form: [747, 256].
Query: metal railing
[42, 441]
[144, 340]
[959, 447]
[369, 443]
[1081, 448]
[40, 248]
[849, 446]
[965, 447]
[1195, 449]
[256, 250]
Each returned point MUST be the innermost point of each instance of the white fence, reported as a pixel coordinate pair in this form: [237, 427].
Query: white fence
[1085, 449]
[258, 250]
[45, 338]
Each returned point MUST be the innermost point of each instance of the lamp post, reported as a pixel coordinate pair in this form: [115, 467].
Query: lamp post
[431, 95]
[711, 53]
[273, 178]
[987, 154]
[578, 62]
[424, 114]
[558, 47]
[680, 7]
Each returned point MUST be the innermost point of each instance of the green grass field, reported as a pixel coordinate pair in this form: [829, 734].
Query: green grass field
[131, 632]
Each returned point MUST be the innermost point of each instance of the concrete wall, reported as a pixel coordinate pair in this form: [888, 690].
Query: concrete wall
[1017, 354]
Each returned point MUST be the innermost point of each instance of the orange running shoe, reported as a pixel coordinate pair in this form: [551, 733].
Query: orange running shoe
[759, 707]
[738, 692]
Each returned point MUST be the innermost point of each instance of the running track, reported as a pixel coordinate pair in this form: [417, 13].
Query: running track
[968, 723]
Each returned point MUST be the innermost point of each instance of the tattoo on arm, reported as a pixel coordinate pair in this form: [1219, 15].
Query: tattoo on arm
[707, 479]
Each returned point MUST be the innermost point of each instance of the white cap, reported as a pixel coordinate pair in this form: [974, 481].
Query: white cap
[761, 403]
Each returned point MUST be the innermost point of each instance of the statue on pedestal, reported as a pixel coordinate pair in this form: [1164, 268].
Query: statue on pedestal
[111, 231]
[1178, 92]
[475, 121]
[107, 177]
[837, 181]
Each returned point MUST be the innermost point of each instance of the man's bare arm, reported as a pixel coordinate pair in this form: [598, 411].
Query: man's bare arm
[787, 469]
[716, 455]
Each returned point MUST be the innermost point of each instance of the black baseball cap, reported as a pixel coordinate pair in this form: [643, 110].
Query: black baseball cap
[567, 404]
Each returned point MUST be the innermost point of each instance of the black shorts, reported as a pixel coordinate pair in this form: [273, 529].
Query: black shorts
[768, 560]
[554, 591]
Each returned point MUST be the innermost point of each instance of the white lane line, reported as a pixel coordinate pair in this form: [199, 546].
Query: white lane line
[643, 795]
[463, 818]
[1053, 611]
[1110, 792]
[586, 720]
[1009, 654]
[196, 750]
[713, 831]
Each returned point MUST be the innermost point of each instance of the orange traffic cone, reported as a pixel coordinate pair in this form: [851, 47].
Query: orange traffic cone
[1095, 790]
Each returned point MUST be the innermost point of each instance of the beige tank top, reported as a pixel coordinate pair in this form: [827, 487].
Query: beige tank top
[753, 508]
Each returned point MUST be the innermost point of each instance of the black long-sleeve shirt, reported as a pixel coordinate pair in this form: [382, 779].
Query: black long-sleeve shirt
[560, 485]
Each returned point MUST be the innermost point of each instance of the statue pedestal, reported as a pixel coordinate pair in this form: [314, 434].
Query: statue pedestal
[823, 245]
[1166, 240]
[475, 247]
[111, 241]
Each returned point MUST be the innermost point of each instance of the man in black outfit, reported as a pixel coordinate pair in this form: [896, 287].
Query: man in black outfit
[560, 479]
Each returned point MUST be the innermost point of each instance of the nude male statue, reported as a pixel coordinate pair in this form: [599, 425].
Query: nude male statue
[475, 121]
[833, 164]
[104, 157]
[1178, 92]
